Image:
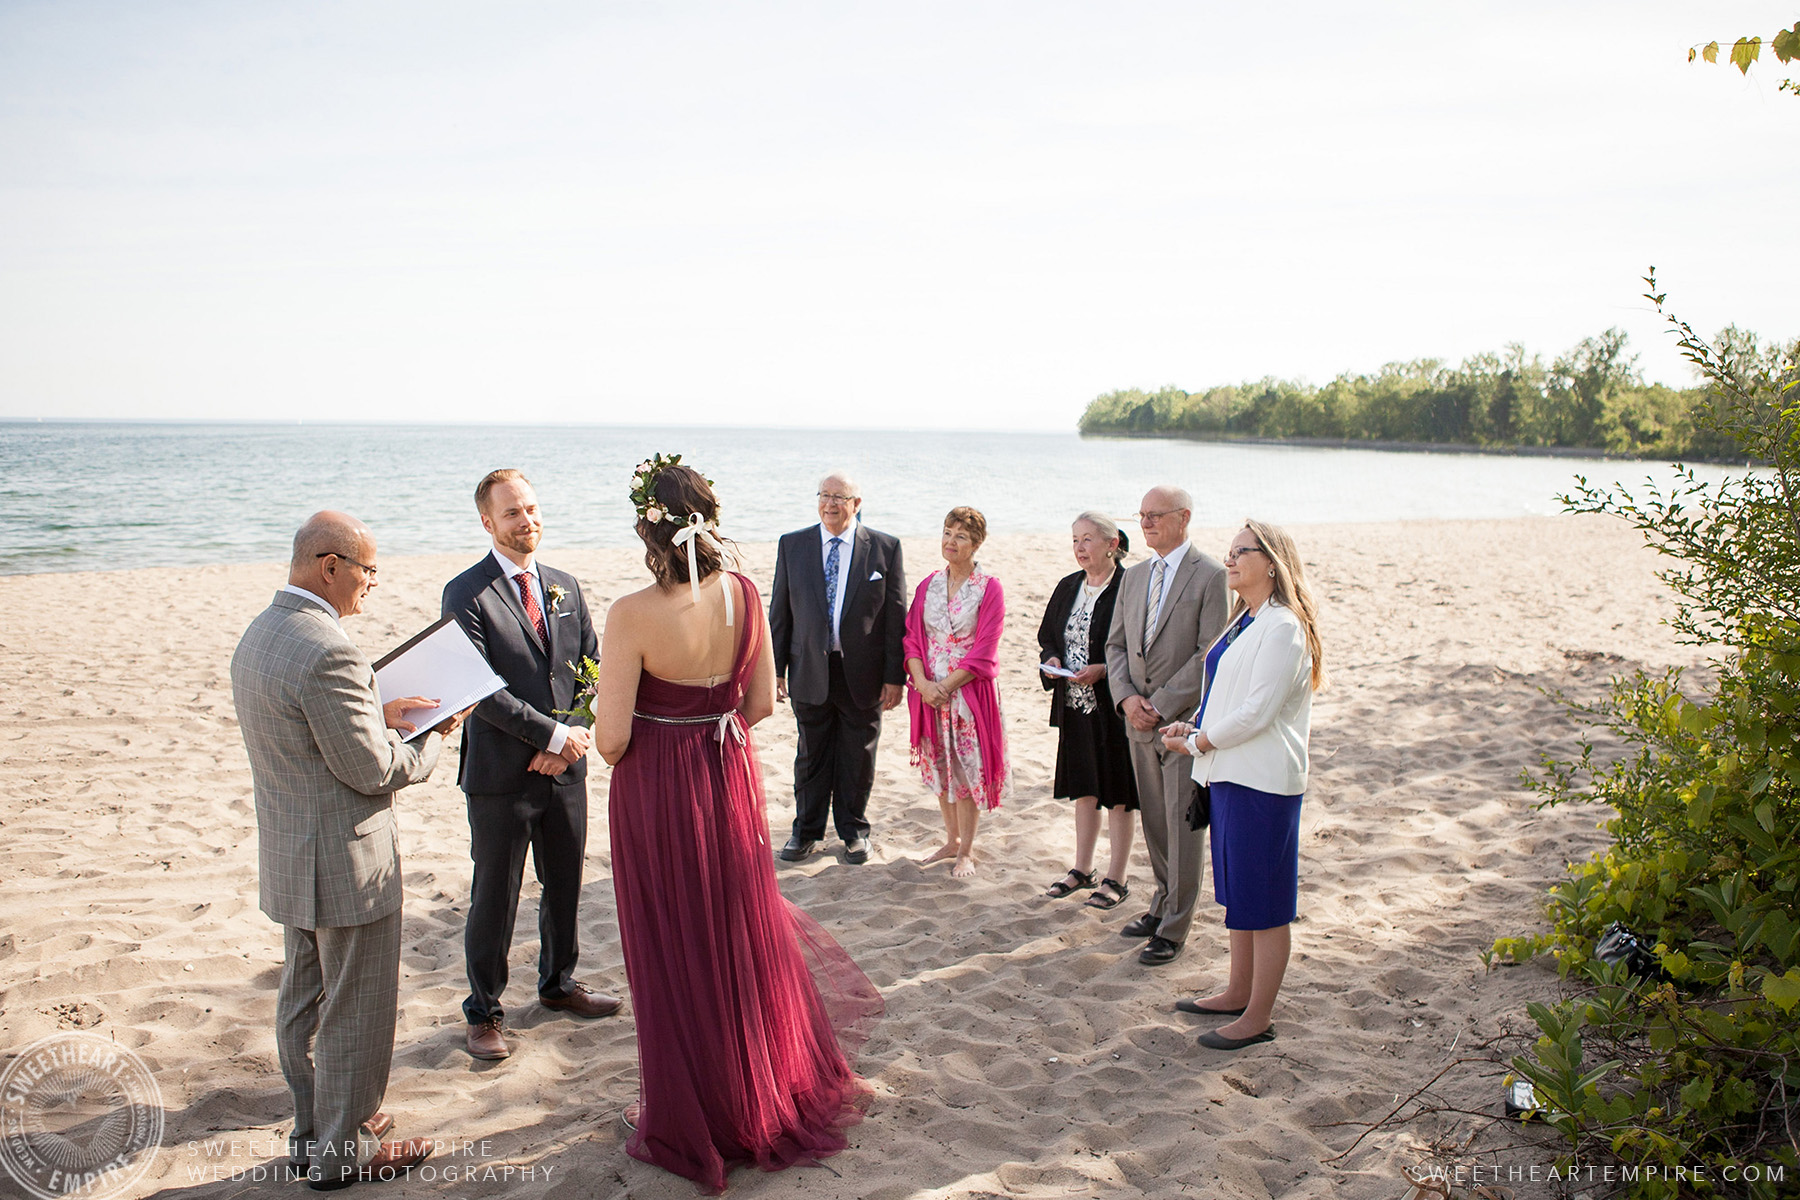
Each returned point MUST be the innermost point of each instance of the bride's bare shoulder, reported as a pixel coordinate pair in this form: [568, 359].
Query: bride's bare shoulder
[641, 603]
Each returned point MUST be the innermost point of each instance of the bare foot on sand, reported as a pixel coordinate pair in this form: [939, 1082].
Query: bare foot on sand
[947, 850]
[965, 866]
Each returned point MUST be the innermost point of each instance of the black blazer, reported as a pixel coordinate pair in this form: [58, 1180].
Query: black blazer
[513, 724]
[1050, 641]
[870, 628]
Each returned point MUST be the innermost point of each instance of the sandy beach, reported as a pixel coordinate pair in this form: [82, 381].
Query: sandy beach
[1025, 1052]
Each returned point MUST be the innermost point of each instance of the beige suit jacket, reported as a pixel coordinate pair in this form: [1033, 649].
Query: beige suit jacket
[323, 766]
[1170, 670]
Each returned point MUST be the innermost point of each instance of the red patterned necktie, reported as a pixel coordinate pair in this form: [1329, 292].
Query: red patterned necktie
[523, 579]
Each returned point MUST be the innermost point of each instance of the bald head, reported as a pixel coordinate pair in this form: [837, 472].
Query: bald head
[334, 559]
[1164, 516]
[329, 532]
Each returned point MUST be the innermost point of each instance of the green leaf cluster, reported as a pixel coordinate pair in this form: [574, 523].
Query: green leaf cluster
[1702, 1065]
[1590, 397]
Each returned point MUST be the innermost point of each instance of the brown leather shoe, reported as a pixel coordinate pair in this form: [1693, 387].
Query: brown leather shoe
[375, 1126]
[394, 1159]
[486, 1041]
[582, 1003]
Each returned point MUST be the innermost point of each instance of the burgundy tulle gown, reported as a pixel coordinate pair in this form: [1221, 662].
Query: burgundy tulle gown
[748, 1014]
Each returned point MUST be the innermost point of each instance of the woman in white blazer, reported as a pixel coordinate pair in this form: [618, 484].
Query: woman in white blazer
[1249, 746]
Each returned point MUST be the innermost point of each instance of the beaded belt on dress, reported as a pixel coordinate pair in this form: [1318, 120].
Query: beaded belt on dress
[722, 720]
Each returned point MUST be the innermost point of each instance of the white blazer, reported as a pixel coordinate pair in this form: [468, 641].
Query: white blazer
[1259, 712]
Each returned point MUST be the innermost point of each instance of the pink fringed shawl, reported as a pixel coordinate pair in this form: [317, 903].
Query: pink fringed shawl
[982, 660]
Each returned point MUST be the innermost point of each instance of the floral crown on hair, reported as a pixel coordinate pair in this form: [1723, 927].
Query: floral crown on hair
[643, 489]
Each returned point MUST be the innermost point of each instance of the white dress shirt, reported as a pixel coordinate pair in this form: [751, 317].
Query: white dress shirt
[848, 538]
[509, 568]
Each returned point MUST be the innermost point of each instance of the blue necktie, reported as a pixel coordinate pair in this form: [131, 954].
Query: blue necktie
[831, 586]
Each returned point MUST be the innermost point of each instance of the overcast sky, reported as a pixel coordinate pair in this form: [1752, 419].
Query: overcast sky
[908, 214]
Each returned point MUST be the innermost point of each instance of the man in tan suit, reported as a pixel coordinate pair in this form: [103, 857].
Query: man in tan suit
[1170, 608]
[324, 765]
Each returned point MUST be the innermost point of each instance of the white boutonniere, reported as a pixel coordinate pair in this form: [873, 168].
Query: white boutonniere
[557, 593]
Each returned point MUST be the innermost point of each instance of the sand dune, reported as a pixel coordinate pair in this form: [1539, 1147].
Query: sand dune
[1025, 1052]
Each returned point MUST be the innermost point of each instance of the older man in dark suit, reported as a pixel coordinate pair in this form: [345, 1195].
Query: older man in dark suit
[324, 766]
[837, 613]
[524, 770]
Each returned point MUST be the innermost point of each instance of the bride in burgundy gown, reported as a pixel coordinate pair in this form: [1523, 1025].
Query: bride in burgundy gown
[748, 1014]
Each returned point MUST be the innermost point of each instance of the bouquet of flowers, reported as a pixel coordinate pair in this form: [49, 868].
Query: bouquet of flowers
[587, 680]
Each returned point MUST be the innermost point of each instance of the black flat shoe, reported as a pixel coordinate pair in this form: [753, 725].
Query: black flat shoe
[1212, 1039]
[1188, 1006]
[1160, 950]
[856, 851]
[1143, 927]
[796, 849]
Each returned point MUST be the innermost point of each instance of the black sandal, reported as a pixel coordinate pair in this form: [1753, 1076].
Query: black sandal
[1101, 899]
[1062, 887]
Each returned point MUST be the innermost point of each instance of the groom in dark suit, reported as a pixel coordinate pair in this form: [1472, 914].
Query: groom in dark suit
[524, 770]
[837, 613]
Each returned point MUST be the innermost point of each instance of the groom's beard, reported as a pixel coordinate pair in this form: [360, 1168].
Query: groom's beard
[525, 542]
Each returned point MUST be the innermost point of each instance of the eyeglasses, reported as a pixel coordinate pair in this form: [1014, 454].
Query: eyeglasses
[348, 559]
[837, 497]
[1150, 518]
[1237, 552]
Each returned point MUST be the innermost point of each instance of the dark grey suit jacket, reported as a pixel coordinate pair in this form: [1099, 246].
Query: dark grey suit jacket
[512, 725]
[869, 629]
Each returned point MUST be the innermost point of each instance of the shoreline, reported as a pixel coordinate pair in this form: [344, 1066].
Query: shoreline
[1597, 455]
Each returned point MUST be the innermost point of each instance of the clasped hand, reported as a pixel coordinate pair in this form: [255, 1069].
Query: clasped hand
[1139, 712]
[574, 747]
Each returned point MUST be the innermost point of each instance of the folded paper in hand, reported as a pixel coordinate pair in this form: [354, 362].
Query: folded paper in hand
[1059, 672]
[441, 662]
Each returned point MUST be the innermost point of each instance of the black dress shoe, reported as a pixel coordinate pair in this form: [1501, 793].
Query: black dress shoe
[1160, 950]
[795, 850]
[856, 850]
[1145, 926]
[1212, 1039]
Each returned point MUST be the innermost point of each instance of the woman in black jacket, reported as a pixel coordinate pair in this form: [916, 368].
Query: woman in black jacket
[1093, 763]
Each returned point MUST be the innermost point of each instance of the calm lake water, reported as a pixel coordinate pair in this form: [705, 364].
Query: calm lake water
[103, 495]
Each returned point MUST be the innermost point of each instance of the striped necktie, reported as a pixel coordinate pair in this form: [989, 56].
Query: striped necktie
[1154, 607]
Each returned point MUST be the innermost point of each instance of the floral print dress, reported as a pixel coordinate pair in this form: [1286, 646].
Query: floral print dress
[952, 756]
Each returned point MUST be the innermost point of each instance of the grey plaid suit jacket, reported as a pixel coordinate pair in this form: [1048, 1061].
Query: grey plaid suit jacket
[324, 767]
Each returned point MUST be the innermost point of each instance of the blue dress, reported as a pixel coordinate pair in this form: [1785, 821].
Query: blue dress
[1255, 836]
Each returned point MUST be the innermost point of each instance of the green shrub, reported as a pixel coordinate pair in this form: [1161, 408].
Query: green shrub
[1701, 1067]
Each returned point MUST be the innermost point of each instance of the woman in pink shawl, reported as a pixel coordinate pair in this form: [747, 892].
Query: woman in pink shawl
[952, 656]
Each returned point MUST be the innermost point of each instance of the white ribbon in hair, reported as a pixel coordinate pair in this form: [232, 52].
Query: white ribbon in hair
[700, 528]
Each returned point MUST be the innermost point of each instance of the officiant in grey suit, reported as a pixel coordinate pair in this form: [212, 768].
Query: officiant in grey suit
[1170, 609]
[524, 769]
[837, 612]
[325, 762]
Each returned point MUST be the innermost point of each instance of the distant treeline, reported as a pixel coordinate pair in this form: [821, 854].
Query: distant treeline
[1592, 397]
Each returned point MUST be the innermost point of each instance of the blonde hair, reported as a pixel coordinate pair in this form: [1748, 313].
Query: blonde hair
[1290, 589]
